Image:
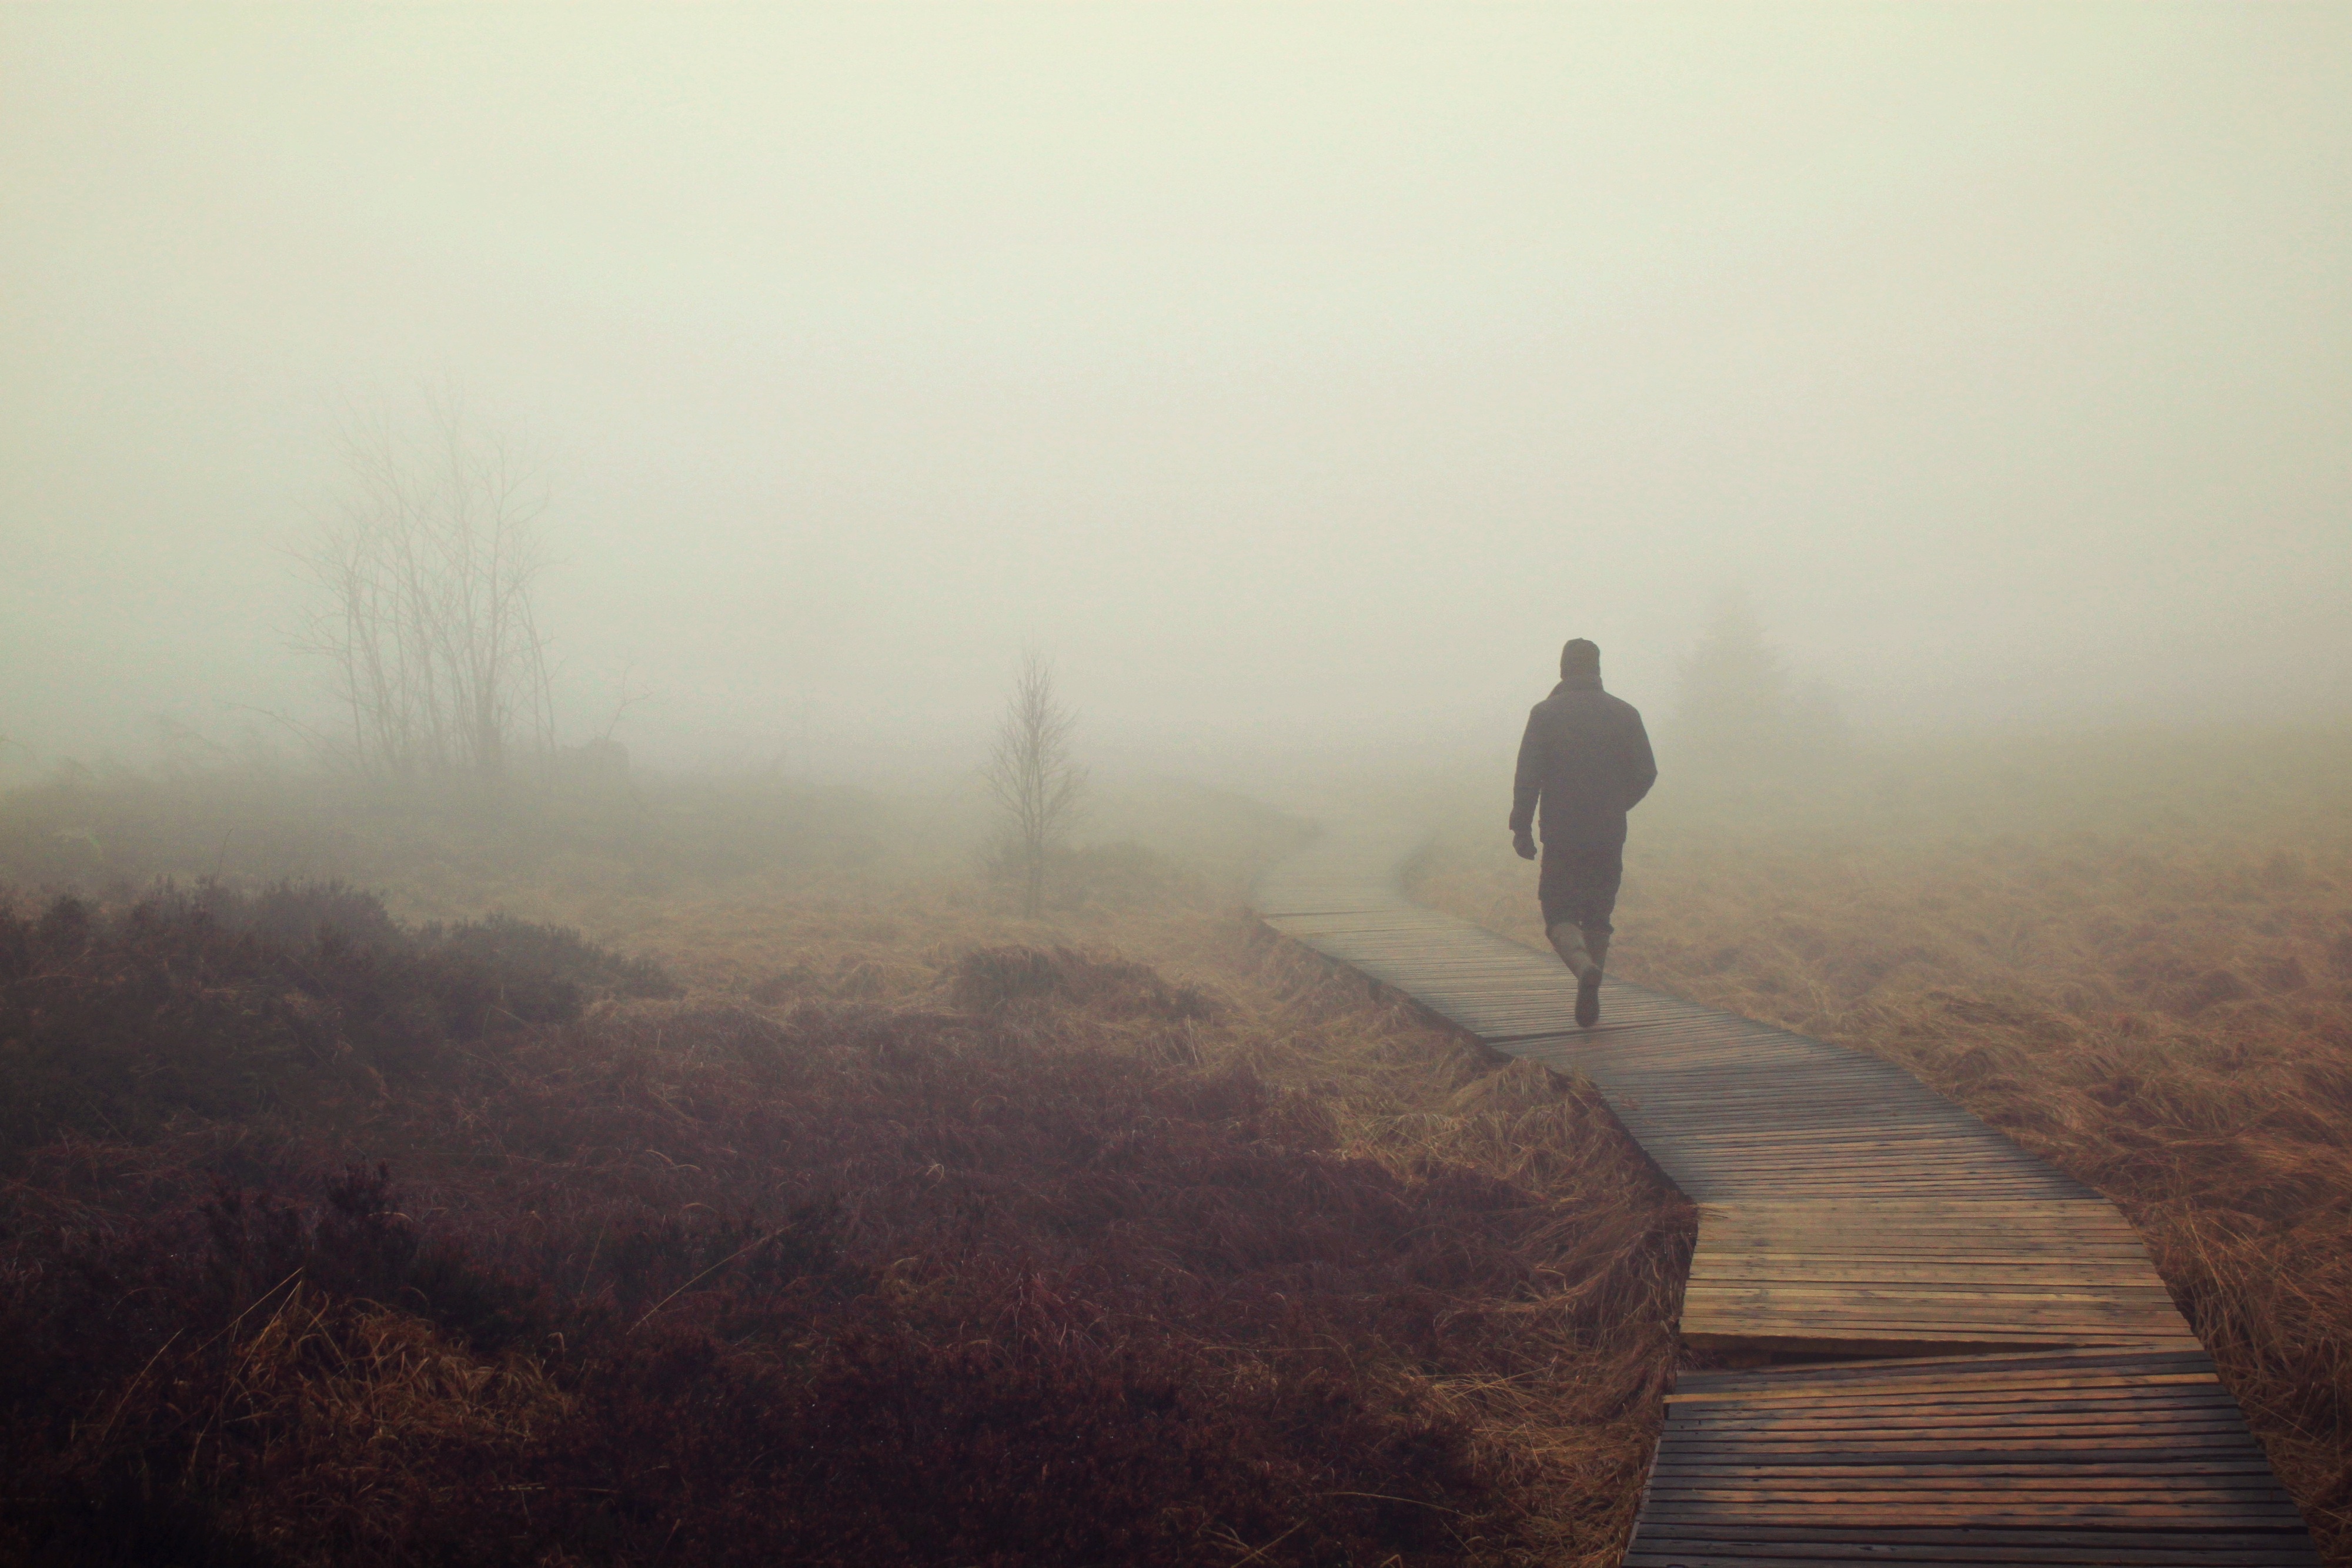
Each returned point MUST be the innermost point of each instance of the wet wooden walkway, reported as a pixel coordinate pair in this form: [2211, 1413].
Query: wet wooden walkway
[2032, 1395]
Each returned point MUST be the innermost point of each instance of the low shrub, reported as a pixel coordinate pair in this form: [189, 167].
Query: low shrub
[924, 1286]
[217, 1004]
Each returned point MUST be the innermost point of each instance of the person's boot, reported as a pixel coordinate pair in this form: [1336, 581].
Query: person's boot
[1587, 981]
[1569, 943]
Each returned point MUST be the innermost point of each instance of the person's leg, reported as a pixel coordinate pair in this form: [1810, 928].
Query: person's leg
[1605, 874]
[1559, 889]
[1599, 868]
[1568, 941]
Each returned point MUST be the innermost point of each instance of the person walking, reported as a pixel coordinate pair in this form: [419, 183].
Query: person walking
[1584, 762]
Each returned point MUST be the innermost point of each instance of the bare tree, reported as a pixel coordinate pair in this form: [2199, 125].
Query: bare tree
[427, 570]
[1038, 788]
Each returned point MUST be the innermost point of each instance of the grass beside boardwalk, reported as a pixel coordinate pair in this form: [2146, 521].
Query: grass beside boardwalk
[2131, 954]
[334, 1230]
[909, 1232]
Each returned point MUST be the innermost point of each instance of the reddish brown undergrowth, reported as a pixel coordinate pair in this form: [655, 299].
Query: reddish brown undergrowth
[1070, 1262]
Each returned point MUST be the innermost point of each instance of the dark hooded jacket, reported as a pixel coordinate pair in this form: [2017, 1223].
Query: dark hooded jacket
[1586, 761]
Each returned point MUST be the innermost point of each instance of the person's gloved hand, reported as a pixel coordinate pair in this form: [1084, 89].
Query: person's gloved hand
[1525, 842]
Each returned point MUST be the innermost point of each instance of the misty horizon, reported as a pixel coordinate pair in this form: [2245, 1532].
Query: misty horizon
[1298, 380]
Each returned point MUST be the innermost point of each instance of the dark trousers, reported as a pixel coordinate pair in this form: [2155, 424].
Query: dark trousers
[1579, 885]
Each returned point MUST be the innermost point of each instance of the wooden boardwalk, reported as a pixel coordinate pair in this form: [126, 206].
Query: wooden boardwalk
[2032, 1395]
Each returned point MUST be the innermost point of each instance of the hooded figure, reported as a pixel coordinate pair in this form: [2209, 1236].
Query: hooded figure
[1584, 762]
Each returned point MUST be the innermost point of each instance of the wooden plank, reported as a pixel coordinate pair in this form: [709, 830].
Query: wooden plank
[2113, 1548]
[1874, 1390]
[1917, 1370]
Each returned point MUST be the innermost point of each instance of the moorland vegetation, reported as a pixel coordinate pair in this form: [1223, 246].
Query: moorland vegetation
[851, 1219]
[716, 1170]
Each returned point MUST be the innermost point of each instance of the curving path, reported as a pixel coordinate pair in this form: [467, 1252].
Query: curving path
[2031, 1394]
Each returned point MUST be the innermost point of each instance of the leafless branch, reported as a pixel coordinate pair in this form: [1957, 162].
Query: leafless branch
[426, 617]
[1038, 789]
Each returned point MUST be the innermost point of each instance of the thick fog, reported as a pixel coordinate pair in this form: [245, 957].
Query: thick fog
[1295, 377]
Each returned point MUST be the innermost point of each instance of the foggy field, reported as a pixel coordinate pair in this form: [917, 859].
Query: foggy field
[646, 653]
[1127, 1233]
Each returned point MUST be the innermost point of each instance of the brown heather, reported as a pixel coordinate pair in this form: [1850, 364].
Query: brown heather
[916, 1233]
[912, 1233]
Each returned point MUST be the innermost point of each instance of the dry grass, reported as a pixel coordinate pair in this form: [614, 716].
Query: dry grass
[1380, 1296]
[2133, 955]
[1565, 1406]
[1130, 1233]
[354, 1401]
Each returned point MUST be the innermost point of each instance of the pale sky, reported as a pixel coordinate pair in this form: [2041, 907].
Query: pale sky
[1293, 375]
